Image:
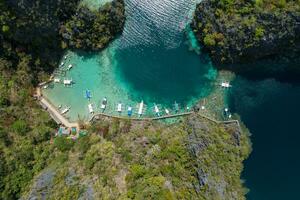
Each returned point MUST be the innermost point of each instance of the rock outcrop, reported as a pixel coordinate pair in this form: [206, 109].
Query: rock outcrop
[236, 32]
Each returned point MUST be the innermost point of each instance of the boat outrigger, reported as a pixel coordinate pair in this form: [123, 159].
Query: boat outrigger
[141, 107]
[104, 104]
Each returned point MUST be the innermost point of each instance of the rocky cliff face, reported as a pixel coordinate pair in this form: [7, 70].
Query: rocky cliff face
[240, 31]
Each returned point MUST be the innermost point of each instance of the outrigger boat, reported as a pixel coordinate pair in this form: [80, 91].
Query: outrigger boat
[64, 111]
[141, 107]
[91, 110]
[104, 103]
[70, 67]
[68, 82]
[129, 111]
[156, 110]
[225, 85]
[119, 107]
[88, 94]
[167, 111]
[56, 80]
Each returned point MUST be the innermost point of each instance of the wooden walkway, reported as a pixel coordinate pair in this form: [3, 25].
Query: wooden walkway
[140, 118]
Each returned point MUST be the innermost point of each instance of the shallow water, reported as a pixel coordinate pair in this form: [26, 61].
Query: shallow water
[150, 61]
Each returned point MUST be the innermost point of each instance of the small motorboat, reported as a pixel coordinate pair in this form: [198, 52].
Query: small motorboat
[91, 110]
[104, 103]
[225, 85]
[56, 80]
[70, 67]
[64, 111]
[156, 110]
[167, 111]
[141, 107]
[88, 94]
[119, 107]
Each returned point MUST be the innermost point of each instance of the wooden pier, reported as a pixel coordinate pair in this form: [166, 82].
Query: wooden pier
[140, 118]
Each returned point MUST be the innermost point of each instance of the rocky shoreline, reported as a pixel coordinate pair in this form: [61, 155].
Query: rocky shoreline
[235, 33]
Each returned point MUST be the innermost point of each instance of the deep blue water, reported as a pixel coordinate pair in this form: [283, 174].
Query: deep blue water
[270, 110]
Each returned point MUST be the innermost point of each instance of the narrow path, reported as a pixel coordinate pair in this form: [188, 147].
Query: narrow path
[141, 118]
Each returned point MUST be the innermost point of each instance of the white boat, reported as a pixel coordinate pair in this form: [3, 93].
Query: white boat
[104, 103]
[64, 111]
[56, 80]
[91, 110]
[167, 111]
[156, 110]
[45, 86]
[119, 107]
[68, 82]
[141, 107]
[203, 107]
[62, 64]
[70, 67]
[225, 85]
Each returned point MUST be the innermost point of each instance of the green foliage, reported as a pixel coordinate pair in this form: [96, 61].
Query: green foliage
[209, 40]
[63, 144]
[20, 127]
[259, 33]
[92, 30]
[5, 28]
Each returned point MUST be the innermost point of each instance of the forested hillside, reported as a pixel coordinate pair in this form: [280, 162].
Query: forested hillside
[30, 48]
[239, 31]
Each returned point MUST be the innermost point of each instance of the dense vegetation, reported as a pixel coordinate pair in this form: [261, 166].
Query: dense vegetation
[237, 31]
[195, 159]
[30, 46]
[92, 30]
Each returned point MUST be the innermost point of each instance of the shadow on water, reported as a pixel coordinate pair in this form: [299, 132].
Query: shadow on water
[164, 74]
[283, 69]
[270, 109]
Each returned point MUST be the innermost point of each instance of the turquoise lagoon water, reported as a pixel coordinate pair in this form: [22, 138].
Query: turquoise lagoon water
[150, 61]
